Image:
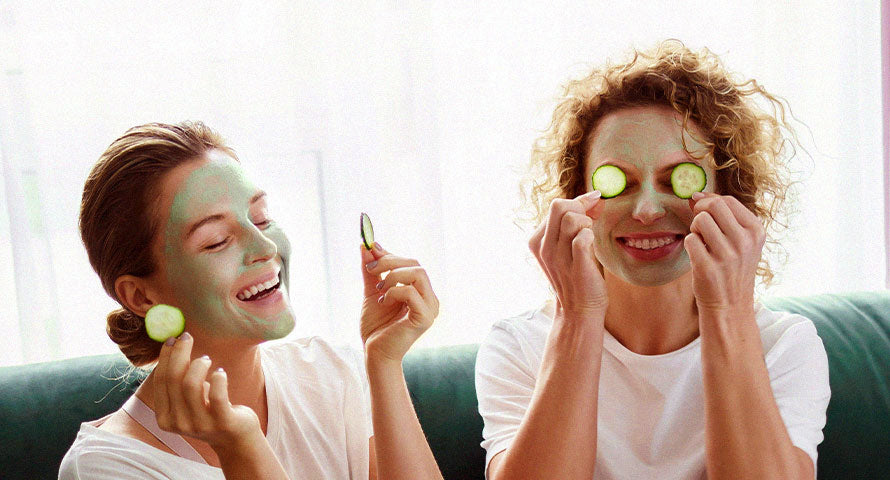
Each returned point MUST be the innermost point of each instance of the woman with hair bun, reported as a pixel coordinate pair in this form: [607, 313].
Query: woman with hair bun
[654, 189]
[168, 216]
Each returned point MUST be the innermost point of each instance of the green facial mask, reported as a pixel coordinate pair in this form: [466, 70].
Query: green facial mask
[643, 140]
[203, 280]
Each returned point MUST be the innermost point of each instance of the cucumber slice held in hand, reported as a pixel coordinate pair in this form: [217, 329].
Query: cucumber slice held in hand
[164, 321]
[367, 231]
[688, 178]
[609, 180]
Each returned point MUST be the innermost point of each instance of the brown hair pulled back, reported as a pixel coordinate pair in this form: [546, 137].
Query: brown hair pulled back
[117, 215]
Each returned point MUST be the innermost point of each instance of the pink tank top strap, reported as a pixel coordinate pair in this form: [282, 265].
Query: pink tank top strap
[146, 417]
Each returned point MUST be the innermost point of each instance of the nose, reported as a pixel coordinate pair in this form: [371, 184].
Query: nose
[648, 207]
[258, 247]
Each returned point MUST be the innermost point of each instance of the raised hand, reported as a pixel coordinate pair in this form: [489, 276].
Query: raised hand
[397, 309]
[190, 402]
[563, 246]
[724, 247]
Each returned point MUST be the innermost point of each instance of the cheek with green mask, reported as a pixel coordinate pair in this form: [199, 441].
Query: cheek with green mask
[204, 280]
[610, 252]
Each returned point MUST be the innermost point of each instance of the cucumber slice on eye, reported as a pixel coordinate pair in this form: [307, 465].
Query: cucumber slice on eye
[609, 180]
[688, 178]
[163, 321]
[367, 231]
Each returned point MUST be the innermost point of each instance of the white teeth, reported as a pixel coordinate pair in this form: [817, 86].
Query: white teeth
[650, 243]
[253, 289]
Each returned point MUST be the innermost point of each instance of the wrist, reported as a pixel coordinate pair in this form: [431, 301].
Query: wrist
[241, 446]
[380, 362]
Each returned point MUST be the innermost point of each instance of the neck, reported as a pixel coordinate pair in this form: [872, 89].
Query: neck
[241, 362]
[651, 320]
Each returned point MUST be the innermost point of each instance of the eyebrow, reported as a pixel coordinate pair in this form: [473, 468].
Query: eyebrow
[219, 216]
[669, 166]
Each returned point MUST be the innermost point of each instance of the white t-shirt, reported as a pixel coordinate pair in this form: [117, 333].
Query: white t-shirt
[651, 417]
[319, 423]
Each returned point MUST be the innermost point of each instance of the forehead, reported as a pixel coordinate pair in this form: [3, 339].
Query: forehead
[641, 135]
[191, 189]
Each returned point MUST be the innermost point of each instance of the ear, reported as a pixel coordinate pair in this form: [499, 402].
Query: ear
[135, 293]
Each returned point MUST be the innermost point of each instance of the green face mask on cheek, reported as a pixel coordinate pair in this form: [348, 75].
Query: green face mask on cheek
[204, 281]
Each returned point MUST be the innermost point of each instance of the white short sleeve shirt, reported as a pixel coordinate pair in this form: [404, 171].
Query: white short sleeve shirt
[651, 421]
[319, 423]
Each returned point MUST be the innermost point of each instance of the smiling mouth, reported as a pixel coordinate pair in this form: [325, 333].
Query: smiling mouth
[649, 243]
[261, 294]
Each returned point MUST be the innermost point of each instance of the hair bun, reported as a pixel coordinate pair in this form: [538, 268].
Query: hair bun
[127, 330]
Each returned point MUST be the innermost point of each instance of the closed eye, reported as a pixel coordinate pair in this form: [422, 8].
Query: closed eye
[216, 245]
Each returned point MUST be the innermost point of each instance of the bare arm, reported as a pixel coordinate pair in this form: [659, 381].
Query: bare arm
[745, 436]
[396, 311]
[557, 436]
[401, 447]
[551, 442]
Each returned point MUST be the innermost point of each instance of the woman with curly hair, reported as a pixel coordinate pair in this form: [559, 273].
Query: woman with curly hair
[655, 360]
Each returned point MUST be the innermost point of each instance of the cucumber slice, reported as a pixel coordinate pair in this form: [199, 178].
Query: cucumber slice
[688, 178]
[163, 321]
[367, 231]
[609, 180]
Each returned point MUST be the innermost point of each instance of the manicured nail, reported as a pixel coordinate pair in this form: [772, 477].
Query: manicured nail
[205, 357]
[185, 336]
[380, 285]
[698, 196]
[220, 370]
[170, 341]
[594, 194]
[380, 300]
[371, 265]
[378, 247]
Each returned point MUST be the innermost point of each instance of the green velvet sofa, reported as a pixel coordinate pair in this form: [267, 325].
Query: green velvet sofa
[42, 405]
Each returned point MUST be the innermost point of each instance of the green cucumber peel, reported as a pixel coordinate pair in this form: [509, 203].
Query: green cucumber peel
[367, 231]
[688, 178]
[609, 180]
[164, 321]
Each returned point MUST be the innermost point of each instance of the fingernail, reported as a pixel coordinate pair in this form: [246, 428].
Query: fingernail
[185, 336]
[220, 370]
[170, 341]
[371, 265]
[698, 196]
[594, 194]
[380, 300]
[379, 285]
[378, 247]
[205, 357]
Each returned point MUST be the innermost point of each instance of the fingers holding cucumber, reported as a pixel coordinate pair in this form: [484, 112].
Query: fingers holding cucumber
[563, 246]
[192, 399]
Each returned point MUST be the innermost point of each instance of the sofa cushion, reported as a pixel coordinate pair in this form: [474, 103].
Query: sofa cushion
[855, 329]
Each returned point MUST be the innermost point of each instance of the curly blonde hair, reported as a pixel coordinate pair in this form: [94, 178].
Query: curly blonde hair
[746, 145]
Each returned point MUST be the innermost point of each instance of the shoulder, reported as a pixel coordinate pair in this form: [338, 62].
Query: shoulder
[100, 454]
[793, 352]
[314, 356]
[529, 328]
[779, 330]
[518, 341]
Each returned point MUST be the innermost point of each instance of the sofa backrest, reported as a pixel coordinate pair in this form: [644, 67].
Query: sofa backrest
[855, 329]
[42, 405]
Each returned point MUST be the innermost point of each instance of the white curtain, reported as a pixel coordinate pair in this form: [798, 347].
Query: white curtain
[420, 113]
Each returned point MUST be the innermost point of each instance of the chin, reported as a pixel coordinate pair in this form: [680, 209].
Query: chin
[283, 327]
[653, 276]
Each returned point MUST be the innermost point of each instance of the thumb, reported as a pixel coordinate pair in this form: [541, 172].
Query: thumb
[371, 280]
